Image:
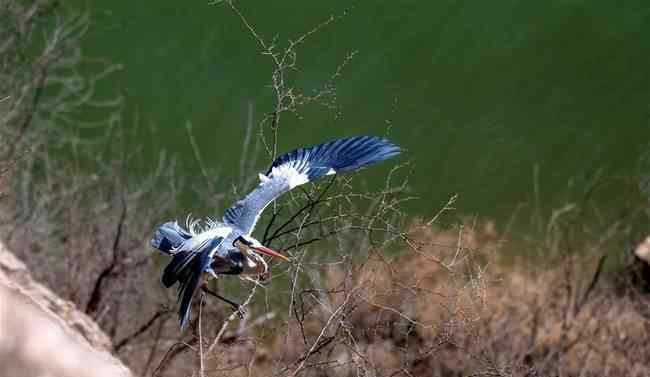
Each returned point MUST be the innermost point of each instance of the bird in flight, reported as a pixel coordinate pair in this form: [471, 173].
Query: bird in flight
[210, 248]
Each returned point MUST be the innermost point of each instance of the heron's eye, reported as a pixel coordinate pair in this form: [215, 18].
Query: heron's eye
[241, 240]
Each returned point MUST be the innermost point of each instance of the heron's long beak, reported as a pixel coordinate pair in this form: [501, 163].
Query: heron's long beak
[271, 252]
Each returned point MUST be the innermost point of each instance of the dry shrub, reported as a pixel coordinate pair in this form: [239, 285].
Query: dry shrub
[528, 320]
[433, 312]
[382, 315]
[517, 321]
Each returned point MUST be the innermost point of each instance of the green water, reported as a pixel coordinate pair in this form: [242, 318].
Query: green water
[477, 92]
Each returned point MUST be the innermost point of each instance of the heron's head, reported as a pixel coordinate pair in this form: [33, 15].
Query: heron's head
[246, 243]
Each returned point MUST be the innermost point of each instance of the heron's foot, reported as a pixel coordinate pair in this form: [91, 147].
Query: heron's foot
[240, 310]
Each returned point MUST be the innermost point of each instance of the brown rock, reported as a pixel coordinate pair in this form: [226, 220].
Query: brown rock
[44, 335]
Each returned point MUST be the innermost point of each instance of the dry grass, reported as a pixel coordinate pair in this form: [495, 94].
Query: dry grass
[412, 315]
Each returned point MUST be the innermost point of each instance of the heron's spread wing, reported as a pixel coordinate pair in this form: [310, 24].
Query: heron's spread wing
[304, 165]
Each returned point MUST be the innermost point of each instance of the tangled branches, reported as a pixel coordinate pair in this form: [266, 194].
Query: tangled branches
[339, 233]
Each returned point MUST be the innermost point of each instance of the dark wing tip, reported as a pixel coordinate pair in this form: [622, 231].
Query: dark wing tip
[341, 155]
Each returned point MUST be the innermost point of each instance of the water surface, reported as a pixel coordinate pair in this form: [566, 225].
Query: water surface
[477, 92]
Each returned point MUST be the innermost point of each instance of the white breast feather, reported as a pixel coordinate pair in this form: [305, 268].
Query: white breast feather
[222, 231]
[293, 177]
[199, 239]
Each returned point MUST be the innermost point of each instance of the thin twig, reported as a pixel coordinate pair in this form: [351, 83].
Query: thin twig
[141, 330]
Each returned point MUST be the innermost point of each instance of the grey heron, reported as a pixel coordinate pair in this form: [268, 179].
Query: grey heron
[211, 248]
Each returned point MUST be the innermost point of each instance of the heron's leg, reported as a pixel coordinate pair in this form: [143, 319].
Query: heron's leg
[238, 308]
[212, 273]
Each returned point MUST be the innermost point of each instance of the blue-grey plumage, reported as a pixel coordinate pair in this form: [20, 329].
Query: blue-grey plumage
[304, 165]
[169, 236]
[193, 277]
[226, 247]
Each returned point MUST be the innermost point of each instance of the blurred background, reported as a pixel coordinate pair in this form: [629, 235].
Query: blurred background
[477, 93]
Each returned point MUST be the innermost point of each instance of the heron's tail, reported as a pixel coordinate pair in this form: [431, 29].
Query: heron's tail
[169, 236]
[187, 268]
[337, 156]
[177, 267]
